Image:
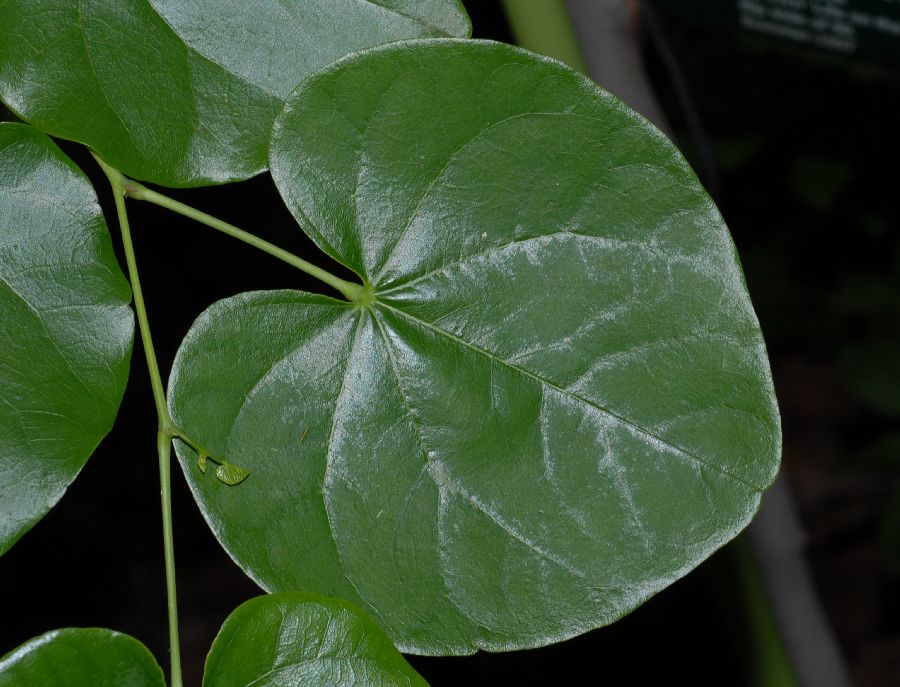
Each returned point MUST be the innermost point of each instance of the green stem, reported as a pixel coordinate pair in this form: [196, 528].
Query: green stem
[164, 449]
[165, 431]
[193, 444]
[351, 291]
[117, 181]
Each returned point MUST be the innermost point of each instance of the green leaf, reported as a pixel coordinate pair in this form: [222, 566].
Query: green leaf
[303, 639]
[557, 400]
[230, 474]
[78, 657]
[65, 340]
[183, 93]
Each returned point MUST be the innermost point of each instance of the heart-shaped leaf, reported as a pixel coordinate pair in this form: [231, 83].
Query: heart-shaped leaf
[303, 639]
[184, 93]
[65, 340]
[551, 401]
[76, 657]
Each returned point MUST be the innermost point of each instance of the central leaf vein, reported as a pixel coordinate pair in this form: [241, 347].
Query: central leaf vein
[329, 471]
[605, 241]
[421, 22]
[631, 426]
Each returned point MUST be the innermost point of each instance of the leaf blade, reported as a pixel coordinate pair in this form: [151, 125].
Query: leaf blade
[306, 639]
[229, 474]
[68, 329]
[125, 77]
[559, 401]
[81, 657]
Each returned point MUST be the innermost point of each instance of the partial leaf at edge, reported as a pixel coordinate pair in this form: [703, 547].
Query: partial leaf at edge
[65, 327]
[304, 639]
[184, 93]
[81, 657]
[559, 401]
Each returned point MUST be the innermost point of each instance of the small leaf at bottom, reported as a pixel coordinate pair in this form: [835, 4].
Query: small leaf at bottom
[304, 639]
[81, 657]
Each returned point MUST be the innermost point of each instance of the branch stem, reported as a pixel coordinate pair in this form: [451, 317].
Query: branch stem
[165, 426]
[164, 450]
[117, 181]
[352, 292]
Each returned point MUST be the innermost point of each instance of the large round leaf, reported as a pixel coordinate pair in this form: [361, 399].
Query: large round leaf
[191, 101]
[77, 657]
[65, 339]
[553, 400]
[304, 640]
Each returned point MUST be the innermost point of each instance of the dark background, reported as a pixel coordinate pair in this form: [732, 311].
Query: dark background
[804, 149]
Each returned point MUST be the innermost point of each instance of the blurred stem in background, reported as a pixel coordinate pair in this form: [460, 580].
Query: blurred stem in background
[544, 26]
[771, 665]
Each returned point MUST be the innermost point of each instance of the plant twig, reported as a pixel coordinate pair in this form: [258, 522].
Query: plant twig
[351, 291]
[165, 426]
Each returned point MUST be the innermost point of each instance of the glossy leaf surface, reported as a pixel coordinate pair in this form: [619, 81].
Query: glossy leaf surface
[65, 339]
[184, 93]
[304, 640]
[77, 657]
[556, 403]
